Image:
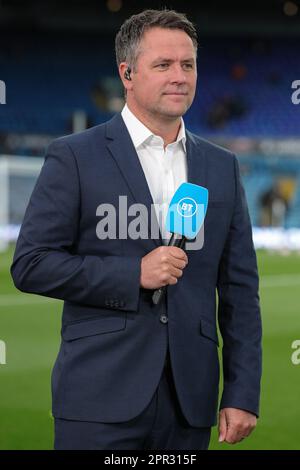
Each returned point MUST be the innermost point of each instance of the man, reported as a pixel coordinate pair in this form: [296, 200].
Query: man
[131, 374]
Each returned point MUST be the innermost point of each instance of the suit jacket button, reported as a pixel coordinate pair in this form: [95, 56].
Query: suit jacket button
[164, 318]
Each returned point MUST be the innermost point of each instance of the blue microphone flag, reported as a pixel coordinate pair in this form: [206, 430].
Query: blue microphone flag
[187, 210]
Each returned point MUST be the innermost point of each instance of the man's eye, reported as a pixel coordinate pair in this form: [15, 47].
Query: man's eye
[188, 66]
[162, 65]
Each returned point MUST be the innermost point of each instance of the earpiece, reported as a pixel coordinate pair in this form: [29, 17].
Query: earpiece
[127, 73]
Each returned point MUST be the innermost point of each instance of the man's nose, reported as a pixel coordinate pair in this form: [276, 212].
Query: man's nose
[178, 74]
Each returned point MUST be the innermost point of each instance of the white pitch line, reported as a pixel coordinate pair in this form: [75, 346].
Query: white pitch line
[280, 280]
[6, 300]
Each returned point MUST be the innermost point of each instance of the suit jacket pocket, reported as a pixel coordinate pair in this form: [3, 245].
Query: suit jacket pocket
[101, 325]
[209, 330]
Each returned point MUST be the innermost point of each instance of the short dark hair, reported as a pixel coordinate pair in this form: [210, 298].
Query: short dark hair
[131, 32]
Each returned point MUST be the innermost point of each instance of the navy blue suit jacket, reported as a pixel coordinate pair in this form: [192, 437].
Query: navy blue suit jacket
[113, 343]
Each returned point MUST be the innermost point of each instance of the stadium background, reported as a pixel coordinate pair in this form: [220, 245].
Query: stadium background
[57, 61]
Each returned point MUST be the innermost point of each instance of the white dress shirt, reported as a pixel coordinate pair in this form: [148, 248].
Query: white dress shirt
[164, 169]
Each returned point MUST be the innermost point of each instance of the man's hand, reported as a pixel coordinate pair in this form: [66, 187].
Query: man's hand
[162, 266]
[235, 425]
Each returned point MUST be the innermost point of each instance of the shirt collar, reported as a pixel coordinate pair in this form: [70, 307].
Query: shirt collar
[139, 133]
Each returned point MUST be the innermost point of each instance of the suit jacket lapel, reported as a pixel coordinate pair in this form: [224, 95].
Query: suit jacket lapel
[123, 151]
[196, 162]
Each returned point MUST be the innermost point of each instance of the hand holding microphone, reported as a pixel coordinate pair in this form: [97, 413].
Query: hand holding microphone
[164, 265]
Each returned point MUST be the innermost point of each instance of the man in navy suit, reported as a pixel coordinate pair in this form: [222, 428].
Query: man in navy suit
[130, 374]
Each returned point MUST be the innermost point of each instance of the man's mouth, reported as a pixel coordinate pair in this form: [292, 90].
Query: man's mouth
[176, 93]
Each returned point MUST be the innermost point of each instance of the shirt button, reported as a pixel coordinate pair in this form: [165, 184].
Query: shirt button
[164, 318]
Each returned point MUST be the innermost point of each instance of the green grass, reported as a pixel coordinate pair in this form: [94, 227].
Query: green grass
[30, 327]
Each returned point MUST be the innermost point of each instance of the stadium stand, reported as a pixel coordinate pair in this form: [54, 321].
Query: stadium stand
[60, 73]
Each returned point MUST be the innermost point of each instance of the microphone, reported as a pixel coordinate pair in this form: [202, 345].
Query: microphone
[185, 218]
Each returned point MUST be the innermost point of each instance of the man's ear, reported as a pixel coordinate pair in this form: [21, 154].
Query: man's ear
[125, 75]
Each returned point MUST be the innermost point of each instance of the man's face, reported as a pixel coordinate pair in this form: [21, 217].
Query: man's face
[164, 80]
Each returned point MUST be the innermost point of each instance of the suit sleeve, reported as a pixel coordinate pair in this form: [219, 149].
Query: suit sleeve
[239, 310]
[45, 260]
